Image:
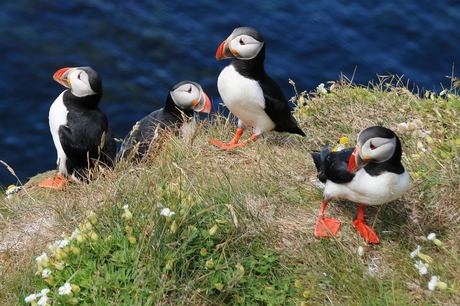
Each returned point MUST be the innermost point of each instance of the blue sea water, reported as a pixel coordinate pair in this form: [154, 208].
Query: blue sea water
[142, 48]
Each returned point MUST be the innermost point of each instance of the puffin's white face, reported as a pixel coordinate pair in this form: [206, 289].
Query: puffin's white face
[244, 46]
[77, 79]
[79, 83]
[378, 149]
[190, 95]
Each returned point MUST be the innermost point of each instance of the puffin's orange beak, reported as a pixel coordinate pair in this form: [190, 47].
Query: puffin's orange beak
[62, 76]
[356, 162]
[224, 51]
[204, 104]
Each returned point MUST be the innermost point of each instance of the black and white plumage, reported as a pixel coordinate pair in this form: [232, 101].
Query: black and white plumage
[183, 101]
[81, 132]
[370, 174]
[247, 90]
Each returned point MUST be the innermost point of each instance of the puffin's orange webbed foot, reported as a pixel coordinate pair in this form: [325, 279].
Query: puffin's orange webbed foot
[366, 232]
[58, 182]
[227, 146]
[326, 227]
[235, 141]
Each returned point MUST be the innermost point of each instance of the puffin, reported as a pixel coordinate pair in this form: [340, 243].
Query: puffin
[81, 132]
[369, 174]
[248, 92]
[184, 100]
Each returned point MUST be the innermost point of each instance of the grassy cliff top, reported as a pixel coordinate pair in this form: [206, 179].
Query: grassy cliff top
[239, 229]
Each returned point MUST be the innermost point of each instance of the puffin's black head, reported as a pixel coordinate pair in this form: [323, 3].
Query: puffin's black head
[82, 81]
[244, 43]
[377, 145]
[188, 96]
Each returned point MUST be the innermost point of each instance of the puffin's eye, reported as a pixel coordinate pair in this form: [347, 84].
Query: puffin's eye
[373, 147]
[78, 76]
[242, 42]
[190, 90]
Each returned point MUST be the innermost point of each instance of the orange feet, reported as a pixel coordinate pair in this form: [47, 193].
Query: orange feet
[366, 232]
[227, 146]
[235, 141]
[58, 182]
[326, 227]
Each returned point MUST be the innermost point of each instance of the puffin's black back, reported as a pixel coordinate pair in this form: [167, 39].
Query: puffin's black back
[276, 105]
[143, 134]
[82, 136]
[333, 166]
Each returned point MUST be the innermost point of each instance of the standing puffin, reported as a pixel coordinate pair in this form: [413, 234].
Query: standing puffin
[248, 92]
[80, 131]
[370, 174]
[183, 100]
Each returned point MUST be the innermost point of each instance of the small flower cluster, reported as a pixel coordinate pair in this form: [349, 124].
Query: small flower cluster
[168, 214]
[59, 252]
[40, 299]
[128, 215]
[415, 126]
[320, 89]
[424, 262]
[12, 189]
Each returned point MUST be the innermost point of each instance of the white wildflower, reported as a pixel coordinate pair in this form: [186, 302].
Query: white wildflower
[46, 273]
[402, 127]
[127, 214]
[54, 246]
[65, 289]
[44, 291]
[433, 283]
[63, 243]
[320, 88]
[41, 258]
[30, 298]
[432, 237]
[360, 251]
[43, 301]
[422, 268]
[75, 233]
[167, 212]
[11, 190]
[125, 206]
[415, 252]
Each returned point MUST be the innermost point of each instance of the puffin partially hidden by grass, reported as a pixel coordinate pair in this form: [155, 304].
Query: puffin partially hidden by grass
[81, 132]
[248, 92]
[184, 100]
[369, 174]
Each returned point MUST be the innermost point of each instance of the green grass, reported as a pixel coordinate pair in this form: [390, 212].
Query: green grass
[242, 232]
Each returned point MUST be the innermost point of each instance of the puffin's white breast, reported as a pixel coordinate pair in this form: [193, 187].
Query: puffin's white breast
[57, 117]
[245, 99]
[369, 190]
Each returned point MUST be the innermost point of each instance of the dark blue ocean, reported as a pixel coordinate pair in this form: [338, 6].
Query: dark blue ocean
[142, 48]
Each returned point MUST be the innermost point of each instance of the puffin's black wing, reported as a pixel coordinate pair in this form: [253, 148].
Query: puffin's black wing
[82, 136]
[277, 107]
[146, 130]
[333, 166]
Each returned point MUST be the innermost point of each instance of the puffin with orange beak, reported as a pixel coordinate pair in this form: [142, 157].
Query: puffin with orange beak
[81, 132]
[184, 100]
[247, 90]
[369, 174]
